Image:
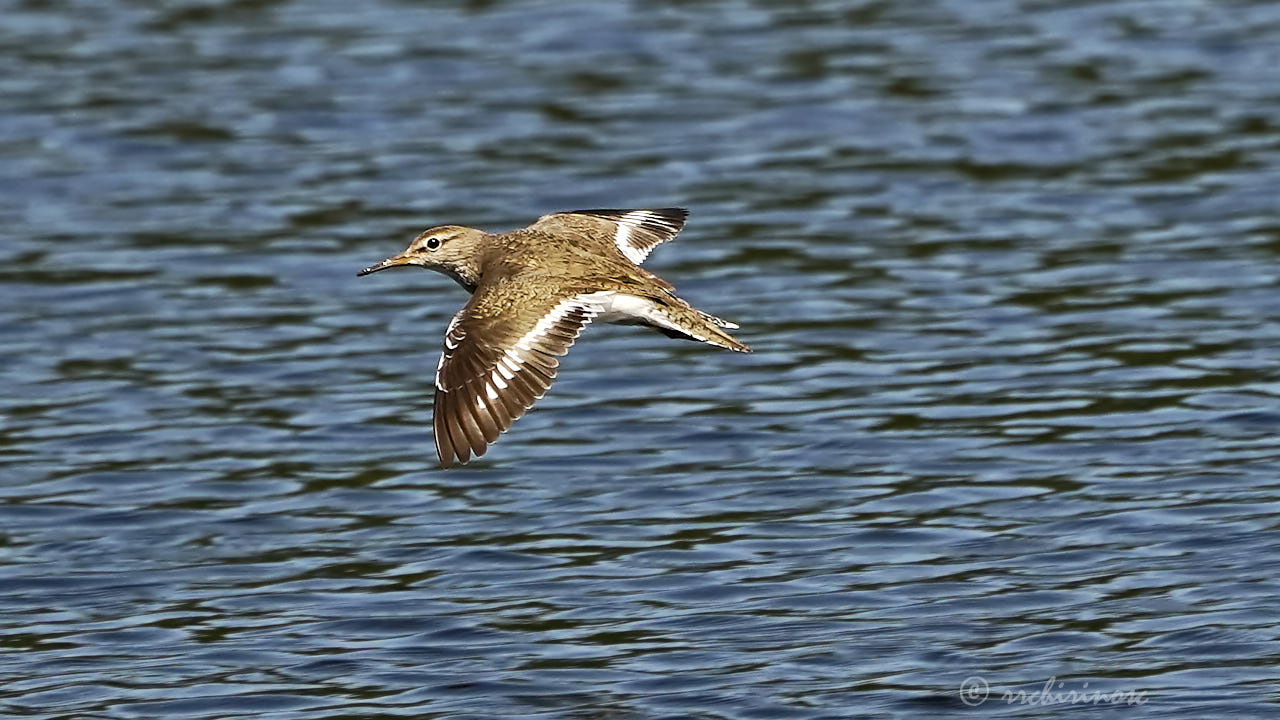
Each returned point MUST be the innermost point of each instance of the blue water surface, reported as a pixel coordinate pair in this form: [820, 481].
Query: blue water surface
[1009, 268]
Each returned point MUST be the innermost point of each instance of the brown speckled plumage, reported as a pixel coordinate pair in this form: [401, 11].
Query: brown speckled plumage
[533, 291]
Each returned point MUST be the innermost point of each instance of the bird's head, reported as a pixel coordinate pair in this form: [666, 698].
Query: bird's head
[453, 250]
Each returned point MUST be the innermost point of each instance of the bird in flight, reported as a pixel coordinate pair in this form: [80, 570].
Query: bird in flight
[533, 290]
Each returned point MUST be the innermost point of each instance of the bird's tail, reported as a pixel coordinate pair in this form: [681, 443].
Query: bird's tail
[690, 323]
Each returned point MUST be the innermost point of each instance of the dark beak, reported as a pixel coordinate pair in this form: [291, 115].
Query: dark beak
[390, 262]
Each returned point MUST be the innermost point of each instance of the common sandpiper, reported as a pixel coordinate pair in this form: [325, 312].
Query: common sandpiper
[533, 290]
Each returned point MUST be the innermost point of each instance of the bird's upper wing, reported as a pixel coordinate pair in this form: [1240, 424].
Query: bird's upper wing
[496, 364]
[635, 232]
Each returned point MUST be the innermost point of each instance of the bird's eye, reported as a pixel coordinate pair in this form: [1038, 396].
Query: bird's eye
[433, 243]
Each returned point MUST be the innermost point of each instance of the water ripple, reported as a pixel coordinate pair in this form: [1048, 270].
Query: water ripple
[1009, 268]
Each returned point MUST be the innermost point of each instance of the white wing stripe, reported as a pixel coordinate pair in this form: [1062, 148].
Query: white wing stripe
[502, 369]
[589, 304]
[621, 239]
[636, 218]
[451, 342]
[627, 222]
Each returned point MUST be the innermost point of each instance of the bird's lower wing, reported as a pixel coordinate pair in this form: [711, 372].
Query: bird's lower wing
[495, 366]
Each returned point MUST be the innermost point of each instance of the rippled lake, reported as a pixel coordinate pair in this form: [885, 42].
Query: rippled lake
[1010, 270]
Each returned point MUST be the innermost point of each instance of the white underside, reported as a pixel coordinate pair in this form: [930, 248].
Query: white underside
[623, 309]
